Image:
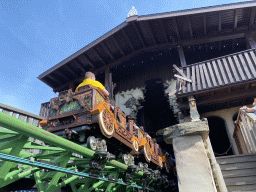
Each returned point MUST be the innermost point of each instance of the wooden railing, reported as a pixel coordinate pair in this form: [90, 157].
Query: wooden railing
[24, 116]
[245, 132]
[220, 72]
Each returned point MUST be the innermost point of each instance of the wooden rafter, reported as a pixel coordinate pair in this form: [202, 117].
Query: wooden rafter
[161, 46]
[205, 24]
[60, 74]
[184, 43]
[176, 28]
[163, 31]
[127, 38]
[99, 57]
[118, 47]
[79, 65]
[139, 35]
[252, 17]
[235, 18]
[219, 20]
[53, 78]
[107, 50]
[88, 61]
[70, 70]
[188, 20]
[150, 31]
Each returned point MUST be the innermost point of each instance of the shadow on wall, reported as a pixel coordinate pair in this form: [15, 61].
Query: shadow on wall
[219, 138]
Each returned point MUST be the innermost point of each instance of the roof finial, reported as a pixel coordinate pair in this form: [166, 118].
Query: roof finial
[132, 12]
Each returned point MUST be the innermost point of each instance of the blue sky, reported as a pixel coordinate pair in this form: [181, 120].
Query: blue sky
[35, 35]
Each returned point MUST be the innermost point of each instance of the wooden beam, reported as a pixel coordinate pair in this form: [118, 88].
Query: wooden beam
[219, 20]
[107, 82]
[139, 35]
[235, 19]
[54, 79]
[70, 70]
[176, 28]
[118, 47]
[79, 64]
[188, 20]
[252, 17]
[226, 97]
[60, 74]
[182, 56]
[89, 61]
[150, 31]
[179, 71]
[107, 50]
[163, 31]
[127, 38]
[205, 24]
[96, 53]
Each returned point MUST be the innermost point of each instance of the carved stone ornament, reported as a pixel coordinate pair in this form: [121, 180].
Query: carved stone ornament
[69, 96]
[84, 100]
[56, 103]
[132, 12]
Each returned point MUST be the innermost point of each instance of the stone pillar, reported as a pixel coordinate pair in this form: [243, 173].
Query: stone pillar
[192, 164]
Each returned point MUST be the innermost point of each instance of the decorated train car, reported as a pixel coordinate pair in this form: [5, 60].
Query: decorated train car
[86, 114]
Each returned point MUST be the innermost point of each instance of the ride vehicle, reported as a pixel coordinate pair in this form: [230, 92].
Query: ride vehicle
[82, 115]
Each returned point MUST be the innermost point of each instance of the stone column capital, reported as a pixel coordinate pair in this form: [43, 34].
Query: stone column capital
[185, 129]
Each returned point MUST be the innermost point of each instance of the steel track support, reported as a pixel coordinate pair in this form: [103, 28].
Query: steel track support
[39, 183]
[16, 147]
[65, 158]
[73, 187]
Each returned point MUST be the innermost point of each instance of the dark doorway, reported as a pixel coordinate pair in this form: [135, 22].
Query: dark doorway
[219, 138]
[155, 113]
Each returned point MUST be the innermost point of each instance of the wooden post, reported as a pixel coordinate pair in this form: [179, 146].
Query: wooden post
[182, 56]
[109, 83]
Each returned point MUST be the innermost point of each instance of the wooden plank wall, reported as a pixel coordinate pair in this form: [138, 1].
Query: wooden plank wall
[221, 71]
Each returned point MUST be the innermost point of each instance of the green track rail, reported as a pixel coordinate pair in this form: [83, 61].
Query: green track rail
[59, 163]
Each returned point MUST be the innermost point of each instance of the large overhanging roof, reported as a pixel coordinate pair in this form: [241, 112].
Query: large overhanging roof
[150, 32]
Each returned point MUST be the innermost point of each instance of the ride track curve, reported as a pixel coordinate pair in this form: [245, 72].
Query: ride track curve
[57, 165]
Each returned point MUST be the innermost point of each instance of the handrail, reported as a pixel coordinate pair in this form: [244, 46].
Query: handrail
[216, 167]
[24, 116]
[19, 111]
[245, 132]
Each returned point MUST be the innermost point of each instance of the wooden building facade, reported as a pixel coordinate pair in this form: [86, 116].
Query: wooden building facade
[214, 46]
